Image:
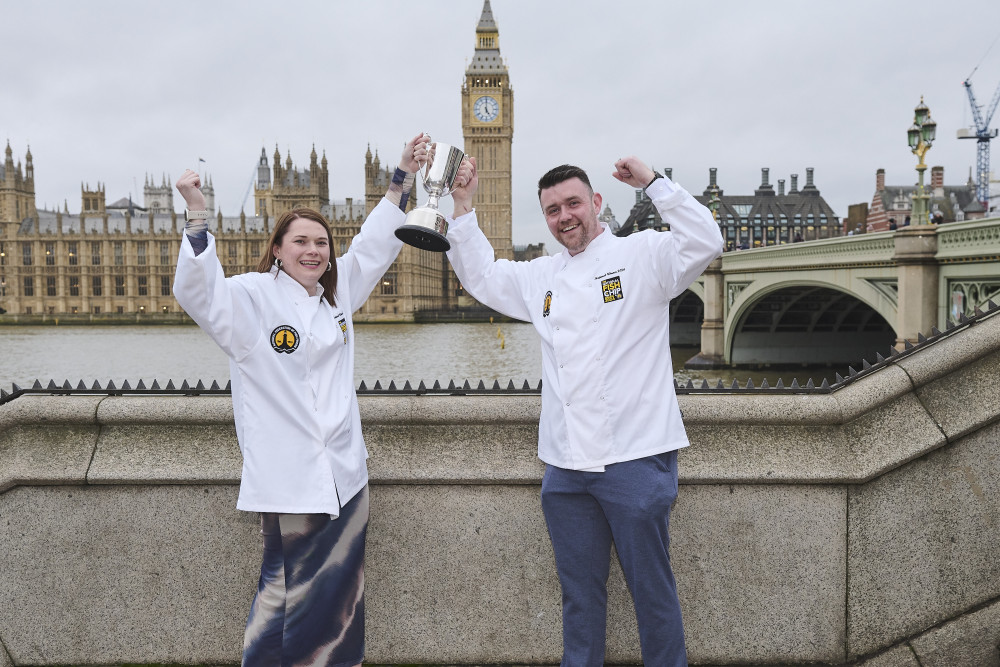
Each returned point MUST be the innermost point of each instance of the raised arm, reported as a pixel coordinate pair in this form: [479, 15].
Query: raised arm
[222, 308]
[196, 229]
[375, 247]
[498, 283]
[694, 239]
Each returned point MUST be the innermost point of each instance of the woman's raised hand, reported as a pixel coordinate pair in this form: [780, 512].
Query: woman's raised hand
[189, 185]
[415, 153]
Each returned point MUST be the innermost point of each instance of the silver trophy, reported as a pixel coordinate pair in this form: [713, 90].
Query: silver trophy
[425, 227]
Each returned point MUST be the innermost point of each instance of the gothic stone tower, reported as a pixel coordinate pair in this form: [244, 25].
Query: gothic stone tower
[17, 189]
[159, 198]
[488, 126]
[290, 187]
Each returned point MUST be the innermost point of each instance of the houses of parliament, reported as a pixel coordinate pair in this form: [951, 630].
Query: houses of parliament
[119, 258]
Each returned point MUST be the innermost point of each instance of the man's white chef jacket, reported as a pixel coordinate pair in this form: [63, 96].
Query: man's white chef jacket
[291, 362]
[603, 317]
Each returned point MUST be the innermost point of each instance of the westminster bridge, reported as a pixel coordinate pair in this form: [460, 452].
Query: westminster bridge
[838, 300]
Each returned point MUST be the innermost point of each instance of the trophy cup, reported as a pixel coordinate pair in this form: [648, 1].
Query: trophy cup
[425, 227]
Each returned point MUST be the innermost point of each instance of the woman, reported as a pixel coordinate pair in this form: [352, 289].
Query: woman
[288, 332]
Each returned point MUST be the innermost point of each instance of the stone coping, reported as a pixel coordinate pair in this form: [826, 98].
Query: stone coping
[912, 405]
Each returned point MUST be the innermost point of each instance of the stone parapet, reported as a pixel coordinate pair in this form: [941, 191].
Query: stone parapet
[856, 526]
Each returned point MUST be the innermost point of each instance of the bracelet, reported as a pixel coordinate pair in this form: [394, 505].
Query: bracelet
[655, 176]
[196, 215]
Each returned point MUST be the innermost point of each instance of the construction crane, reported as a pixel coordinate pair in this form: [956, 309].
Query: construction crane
[982, 134]
[246, 195]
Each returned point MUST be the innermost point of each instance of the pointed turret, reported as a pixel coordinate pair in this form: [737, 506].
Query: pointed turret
[9, 163]
[487, 57]
[277, 165]
[263, 171]
[29, 168]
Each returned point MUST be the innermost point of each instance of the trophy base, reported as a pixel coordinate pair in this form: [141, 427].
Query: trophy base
[425, 228]
[423, 238]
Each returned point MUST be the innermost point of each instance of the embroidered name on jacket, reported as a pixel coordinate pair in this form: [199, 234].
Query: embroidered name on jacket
[612, 289]
[284, 339]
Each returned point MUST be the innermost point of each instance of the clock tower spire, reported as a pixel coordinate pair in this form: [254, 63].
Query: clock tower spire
[488, 127]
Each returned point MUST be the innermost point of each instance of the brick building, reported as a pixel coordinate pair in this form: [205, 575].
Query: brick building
[895, 202]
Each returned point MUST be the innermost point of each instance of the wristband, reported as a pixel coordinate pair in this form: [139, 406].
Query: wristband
[655, 176]
[196, 215]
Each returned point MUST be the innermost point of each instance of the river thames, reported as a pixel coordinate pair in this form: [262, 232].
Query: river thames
[384, 352]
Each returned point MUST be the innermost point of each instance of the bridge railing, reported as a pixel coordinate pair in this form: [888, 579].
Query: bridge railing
[970, 240]
[867, 249]
[957, 241]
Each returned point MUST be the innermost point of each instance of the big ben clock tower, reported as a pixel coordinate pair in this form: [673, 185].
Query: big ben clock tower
[488, 126]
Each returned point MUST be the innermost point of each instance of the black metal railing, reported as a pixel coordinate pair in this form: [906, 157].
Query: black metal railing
[467, 388]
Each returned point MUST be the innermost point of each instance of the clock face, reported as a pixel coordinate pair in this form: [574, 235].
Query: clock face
[486, 108]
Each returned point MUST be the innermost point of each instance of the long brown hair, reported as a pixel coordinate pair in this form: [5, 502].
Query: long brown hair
[329, 279]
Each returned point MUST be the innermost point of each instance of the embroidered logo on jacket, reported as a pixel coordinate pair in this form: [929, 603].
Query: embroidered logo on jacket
[284, 339]
[547, 305]
[612, 289]
[343, 327]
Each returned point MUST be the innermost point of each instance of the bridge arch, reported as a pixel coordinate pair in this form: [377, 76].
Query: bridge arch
[687, 312]
[807, 322]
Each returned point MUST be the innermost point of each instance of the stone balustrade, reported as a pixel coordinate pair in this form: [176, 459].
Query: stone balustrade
[854, 526]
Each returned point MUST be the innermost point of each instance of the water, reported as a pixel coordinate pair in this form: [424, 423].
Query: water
[383, 352]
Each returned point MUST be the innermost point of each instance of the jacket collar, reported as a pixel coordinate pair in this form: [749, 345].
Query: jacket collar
[593, 249]
[292, 288]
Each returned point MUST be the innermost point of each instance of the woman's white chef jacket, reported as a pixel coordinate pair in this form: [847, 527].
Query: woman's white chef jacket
[603, 317]
[291, 361]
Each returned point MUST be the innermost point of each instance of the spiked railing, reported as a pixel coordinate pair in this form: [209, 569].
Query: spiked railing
[453, 389]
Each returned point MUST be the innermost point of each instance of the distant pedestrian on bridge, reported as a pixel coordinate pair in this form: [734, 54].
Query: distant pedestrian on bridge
[610, 426]
[288, 332]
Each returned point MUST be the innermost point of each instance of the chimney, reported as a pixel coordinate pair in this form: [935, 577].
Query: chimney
[937, 177]
[795, 185]
[712, 183]
[765, 187]
[669, 173]
[809, 178]
[880, 180]
[781, 187]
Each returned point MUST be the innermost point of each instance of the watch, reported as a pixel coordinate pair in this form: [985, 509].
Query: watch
[196, 215]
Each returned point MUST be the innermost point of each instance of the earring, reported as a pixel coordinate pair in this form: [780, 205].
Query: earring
[329, 266]
[277, 263]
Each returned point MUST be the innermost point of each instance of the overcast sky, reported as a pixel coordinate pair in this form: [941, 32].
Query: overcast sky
[110, 90]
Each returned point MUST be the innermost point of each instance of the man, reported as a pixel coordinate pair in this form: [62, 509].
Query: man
[610, 427]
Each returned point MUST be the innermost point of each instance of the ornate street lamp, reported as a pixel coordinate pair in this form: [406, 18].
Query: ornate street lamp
[713, 203]
[920, 137]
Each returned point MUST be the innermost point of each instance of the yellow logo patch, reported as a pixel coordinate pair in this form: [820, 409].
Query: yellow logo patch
[284, 339]
[547, 305]
[612, 289]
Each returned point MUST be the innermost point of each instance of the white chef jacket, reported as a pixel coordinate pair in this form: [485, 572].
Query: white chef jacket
[291, 361]
[603, 317]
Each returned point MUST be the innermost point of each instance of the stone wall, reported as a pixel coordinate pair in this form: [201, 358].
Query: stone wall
[856, 526]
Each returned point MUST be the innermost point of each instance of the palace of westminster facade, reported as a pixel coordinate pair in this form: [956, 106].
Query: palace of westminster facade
[119, 258]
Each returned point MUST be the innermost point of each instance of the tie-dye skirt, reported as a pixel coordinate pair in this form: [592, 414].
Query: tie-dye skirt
[310, 604]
